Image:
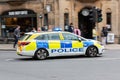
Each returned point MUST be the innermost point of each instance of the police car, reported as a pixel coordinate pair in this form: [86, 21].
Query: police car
[57, 43]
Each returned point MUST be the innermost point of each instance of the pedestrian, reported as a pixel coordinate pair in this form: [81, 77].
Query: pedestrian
[71, 28]
[16, 35]
[43, 28]
[104, 33]
[33, 29]
[39, 29]
[66, 27]
[50, 28]
[46, 27]
[94, 34]
[77, 31]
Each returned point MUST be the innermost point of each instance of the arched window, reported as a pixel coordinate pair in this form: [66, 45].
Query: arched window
[109, 19]
[66, 18]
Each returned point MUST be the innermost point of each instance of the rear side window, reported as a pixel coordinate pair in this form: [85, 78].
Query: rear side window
[54, 36]
[25, 37]
[42, 37]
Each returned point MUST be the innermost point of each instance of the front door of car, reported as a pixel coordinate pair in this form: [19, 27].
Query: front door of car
[72, 44]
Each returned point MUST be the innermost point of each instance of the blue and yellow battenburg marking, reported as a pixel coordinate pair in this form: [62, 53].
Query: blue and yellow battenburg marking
[54, 44]
[63, 45]
[59, 46]
[87, 43]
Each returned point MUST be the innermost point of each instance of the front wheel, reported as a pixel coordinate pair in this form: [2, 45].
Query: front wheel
[41, 54]
[92, 51]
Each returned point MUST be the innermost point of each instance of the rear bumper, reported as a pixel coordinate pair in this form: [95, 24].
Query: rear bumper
[26, 53]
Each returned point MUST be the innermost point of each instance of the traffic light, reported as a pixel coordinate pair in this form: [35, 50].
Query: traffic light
[92, 15]
[99, 15]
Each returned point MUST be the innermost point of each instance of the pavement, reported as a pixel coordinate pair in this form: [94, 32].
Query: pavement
[9, 47]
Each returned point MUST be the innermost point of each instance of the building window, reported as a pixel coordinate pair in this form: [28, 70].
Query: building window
[46, 19]
[66, 20]
[108, 21]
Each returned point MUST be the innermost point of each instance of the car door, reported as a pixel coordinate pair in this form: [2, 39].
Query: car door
[42, 41]
[50, 42]
[71, 44]
[54, 44]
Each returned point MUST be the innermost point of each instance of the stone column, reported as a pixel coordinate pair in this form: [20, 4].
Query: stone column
[119, 21]
[72, 11]
[56, 12]
[61, 15]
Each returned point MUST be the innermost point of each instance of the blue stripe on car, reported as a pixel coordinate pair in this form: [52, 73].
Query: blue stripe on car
[66, 44]
[42, 44]
[87, 43]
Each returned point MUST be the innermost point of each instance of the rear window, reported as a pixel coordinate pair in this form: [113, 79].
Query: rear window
[25, 37]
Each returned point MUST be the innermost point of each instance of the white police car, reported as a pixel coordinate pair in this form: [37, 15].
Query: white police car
[46, 44]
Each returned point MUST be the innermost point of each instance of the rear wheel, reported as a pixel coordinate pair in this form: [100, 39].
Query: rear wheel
[92, 51]
[41, 54]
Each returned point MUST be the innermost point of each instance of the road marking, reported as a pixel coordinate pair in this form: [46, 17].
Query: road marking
[109, 59]
[9, 59]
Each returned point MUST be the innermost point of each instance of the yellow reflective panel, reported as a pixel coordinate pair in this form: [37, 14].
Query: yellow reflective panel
[98, 45]
[31, 46]
[54, 44]
[61, 36]
[77, 44]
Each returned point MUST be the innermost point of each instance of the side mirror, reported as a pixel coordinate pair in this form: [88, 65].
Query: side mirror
[80, 39]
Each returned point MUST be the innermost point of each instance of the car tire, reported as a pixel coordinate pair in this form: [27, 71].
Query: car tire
[92, 51]
[41, 54]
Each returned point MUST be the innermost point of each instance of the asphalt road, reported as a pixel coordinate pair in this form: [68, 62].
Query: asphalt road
[14, 67]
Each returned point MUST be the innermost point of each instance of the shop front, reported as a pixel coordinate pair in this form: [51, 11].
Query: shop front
[22, 17]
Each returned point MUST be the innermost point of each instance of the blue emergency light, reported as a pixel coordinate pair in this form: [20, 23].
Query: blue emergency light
[57, 29]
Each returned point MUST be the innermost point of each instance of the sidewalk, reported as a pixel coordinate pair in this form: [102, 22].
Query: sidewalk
[9, 47]
[112, 46]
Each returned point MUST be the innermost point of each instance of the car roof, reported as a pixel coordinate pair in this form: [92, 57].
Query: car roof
[44, 32]
[47, 32]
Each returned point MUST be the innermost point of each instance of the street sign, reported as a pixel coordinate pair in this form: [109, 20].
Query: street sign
[110, 38]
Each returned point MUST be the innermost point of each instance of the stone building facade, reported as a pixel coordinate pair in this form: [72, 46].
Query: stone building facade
[37, 13]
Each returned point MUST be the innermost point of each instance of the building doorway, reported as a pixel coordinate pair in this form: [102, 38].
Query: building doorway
[10, 19]
[84, 23]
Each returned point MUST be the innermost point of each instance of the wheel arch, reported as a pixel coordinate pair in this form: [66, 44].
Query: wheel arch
[44, 49]
[91, 46]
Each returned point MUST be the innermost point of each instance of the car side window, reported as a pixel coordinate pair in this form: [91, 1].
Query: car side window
[42, 37]
[68, 36]
[54, 36]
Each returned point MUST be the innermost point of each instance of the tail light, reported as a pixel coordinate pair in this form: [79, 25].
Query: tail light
[24, 43]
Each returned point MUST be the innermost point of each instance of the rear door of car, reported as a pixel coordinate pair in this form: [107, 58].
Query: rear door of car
[42, 41]
[50, 42]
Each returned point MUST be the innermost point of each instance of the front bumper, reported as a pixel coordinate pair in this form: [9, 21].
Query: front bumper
[101, 50]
